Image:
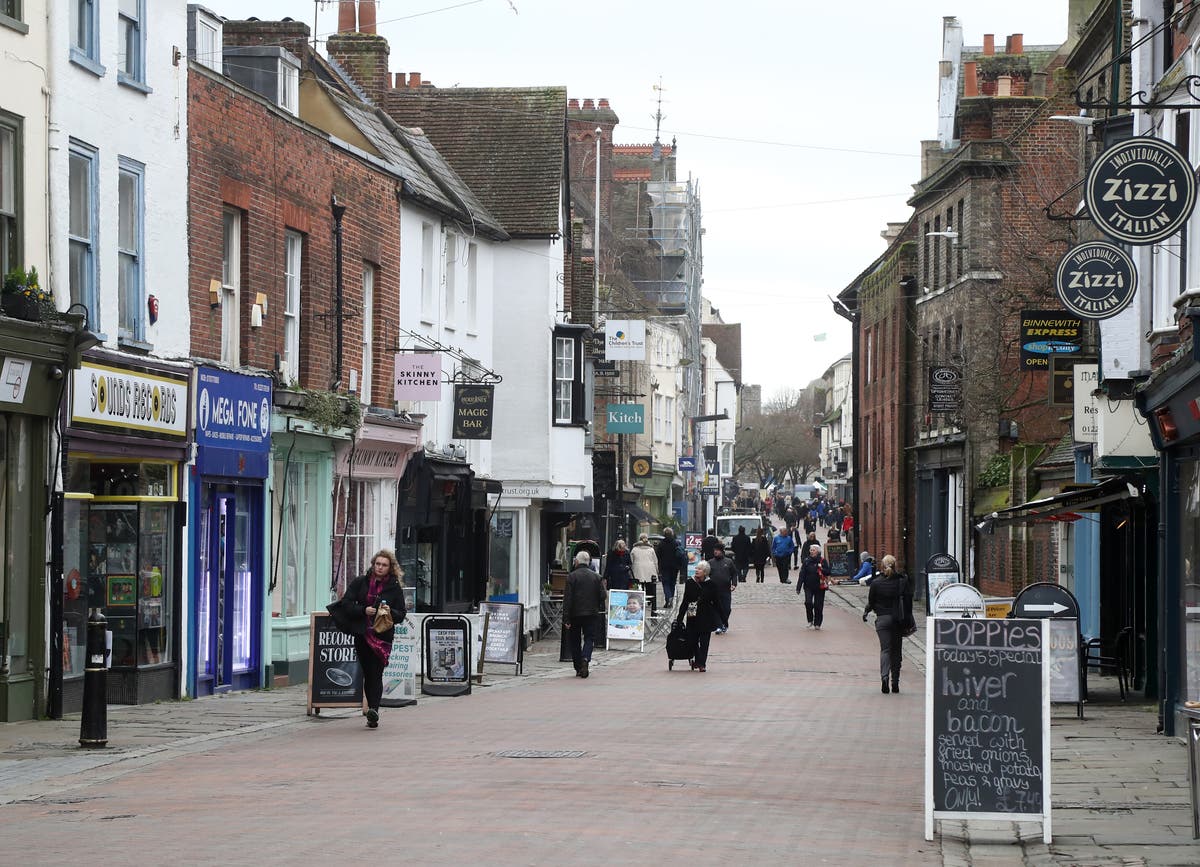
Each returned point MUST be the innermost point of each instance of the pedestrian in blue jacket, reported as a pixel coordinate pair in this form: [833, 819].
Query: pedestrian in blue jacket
[782, 547]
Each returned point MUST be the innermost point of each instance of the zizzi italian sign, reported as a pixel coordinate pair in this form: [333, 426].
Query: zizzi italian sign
[473, 412]
[1096, 280]
[1045, 333]
[626, 418]
[1140, 191]
[114, 397]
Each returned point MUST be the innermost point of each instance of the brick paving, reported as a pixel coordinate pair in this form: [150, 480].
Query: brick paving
[784, 752]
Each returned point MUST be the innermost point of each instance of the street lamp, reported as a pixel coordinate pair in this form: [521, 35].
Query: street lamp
[596, 236]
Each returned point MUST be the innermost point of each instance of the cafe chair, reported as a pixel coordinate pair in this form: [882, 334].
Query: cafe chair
[1111, 657]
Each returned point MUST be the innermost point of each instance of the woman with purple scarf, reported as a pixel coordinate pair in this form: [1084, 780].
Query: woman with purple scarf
[362, 599]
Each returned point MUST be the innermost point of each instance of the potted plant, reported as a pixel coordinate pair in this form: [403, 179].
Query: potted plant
[23, 296]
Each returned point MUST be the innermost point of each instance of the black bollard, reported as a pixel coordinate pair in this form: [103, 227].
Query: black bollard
[93, 726]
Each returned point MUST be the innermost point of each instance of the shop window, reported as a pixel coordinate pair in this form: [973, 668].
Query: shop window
[296, 503]
[83, 184]
[360, 508]
[131, 41]
[502, 582]
[79, 582]
[17, 573]
[231, 281]
[130, 269]
[1189, 580]
[10, 200]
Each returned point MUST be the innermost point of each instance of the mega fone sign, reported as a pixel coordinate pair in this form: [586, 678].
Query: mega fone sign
[233, 423]
[625, 340]
[1096, 280]
[1140, 191]
[418, 376]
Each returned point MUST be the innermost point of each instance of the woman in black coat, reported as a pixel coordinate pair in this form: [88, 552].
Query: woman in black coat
[891, 600]
[698, 591]
[814, 579]
[355, 614]
[760, 553]
[618, 567]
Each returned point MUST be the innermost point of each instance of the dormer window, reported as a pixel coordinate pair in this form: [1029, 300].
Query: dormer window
[269, 71]
[205, 37]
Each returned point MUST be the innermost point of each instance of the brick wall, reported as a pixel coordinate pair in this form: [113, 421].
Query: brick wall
[281, 174]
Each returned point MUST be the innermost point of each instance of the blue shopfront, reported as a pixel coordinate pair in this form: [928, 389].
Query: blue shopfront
[228, 569]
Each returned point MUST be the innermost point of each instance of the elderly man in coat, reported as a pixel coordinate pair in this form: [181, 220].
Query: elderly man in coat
[583, 601]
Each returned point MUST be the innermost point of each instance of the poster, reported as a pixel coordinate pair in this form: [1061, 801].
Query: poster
[404, 665]
[447, 654]
[121, 590]
[503, 632]
[627, 614]
[692, 543]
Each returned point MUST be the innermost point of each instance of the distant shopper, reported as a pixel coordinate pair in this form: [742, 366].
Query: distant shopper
[698, 613]
[722, 575]
[583, 600]
[760, 553]
[645, 564]
[355, 614]
[618, 567]
[742, 549]
[782, 548]
[708, 545]
[671, 558]
[814, 580]
[891, 600]
[866, 569]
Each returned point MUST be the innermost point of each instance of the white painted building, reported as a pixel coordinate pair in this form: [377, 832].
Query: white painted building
[837, 429]
[720, 396]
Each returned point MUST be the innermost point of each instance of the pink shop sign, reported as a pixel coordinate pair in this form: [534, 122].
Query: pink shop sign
[418, 376]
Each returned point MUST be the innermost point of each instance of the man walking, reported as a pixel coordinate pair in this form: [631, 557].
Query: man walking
[708, 545]
[583, 600]
[782, 548]
[741, 546]
[669, 563]
[723, 575]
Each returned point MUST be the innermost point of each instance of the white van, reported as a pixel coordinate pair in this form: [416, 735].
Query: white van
[727, 525]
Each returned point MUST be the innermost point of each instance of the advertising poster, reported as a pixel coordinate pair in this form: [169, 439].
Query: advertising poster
[448, 655]
[404, 665]
[334, 675]
[692, 543]
[627, 614]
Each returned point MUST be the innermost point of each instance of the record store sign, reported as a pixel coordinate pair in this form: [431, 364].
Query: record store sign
[1140, 191]
[1096, 280]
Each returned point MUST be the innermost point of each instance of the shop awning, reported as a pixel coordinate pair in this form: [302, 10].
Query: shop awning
[658, 485]
[640, 513]
[1079, 499]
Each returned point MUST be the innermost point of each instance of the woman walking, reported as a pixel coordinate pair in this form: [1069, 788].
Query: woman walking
[366, 597]
[618, 567]
[644, 562]
[890, 598]
[698, 612]
[760, 553]
[814, 578]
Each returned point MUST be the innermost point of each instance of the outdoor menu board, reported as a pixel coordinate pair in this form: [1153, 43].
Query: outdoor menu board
[504, 623]
[334, 676]
[1063, 648]
[835, 553]
[987, 721]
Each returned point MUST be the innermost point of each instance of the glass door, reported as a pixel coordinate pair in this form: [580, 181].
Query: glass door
[227, 643]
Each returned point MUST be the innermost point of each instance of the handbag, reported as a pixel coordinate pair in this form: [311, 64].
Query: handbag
[383, 619]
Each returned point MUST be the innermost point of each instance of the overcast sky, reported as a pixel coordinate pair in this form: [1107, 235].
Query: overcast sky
[800, 121]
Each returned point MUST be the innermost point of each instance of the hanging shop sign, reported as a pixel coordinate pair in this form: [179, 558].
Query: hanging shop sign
[1085, 426]
[473, 412]
[1140, 191]
[641, 466]
[114, 397]
[945, 388]
[624, 418]
[233, 423]
[418, 376]
[1046, 333]
[605, 369]
[687, 464]
[625, 340]
[1096, 280]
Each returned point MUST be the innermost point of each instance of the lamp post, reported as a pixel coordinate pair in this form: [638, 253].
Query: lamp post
[596, 237]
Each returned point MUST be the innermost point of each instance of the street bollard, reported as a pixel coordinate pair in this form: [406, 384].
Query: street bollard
[93, 726]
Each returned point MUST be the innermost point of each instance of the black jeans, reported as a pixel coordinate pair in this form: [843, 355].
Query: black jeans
[372, 672]
[582, 627]
[668, 585]
[701, 635]
[742, 570]
[759, 572]
[814, 605]
[783, 564]
[890, 647]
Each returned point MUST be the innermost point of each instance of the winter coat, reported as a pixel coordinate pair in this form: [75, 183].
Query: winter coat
[891, 596]
[350, 613]
[812, 571]
[782, 545]
[669, 559]
[583, 594]
[645, 562]
[618, 569]
[741, 546]
[705, 597]
[760, 551]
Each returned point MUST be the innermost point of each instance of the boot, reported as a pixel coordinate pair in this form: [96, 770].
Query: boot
[896, 684]
[884, 687]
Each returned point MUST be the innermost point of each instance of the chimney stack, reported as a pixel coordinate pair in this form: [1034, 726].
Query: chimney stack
[573, 104]
[970, 79]
[414, 80]
[589, 105]
[989, 44]
[365, 58]
[366, 17]
[1016, 43]
[346, 16]
[604, 103]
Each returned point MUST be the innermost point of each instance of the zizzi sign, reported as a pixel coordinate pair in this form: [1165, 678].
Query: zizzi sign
[473, 412]
[1096, 280]
[139, 401]
[625, 418]
[1140, 191]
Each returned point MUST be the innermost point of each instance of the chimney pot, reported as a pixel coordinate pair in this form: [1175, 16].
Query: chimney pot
[604, 103]
[1016, 43]
[398, 80]
[989, 44]
[573, 103]
[970, 79]
[346, 16]
[414, 80]
[589, 105]
[366, 16]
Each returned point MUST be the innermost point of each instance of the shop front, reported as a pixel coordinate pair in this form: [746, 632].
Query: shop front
[366, 485]
[127, 440]
[228, 568]
[33, 359]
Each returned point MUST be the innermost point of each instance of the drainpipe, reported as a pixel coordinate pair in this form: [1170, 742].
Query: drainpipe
[338, 299]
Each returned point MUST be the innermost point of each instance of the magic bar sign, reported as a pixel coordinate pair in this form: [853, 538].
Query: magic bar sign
[473, 412]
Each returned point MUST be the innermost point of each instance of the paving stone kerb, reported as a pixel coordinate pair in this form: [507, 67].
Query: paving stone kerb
[784, 746]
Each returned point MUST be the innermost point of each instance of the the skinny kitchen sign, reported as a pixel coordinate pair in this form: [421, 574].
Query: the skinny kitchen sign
[473, 412]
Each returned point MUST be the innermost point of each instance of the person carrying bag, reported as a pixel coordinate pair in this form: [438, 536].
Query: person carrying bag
[890, 597]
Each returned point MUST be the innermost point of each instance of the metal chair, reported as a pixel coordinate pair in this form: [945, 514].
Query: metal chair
[1117, 657]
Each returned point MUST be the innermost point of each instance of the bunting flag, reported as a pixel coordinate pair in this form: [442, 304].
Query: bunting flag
[819, 338]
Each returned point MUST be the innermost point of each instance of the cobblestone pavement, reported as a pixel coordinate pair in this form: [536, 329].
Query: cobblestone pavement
[784, 752]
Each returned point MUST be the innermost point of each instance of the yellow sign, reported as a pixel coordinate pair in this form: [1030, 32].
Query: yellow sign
[122, 398]
[997, 608]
